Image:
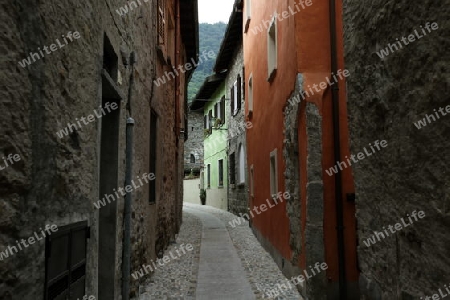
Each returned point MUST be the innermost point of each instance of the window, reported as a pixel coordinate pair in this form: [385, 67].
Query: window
[252, 182]
[216, 110]
[232, 169]
[273, 173]
[222, 110]
[208, 176]
[65, 262]
[233, 97]
[250, 95]
[241, 164]
[239, 93]
[210, 121]
[248, 12]
[236, 96]
[153, 156]
[248, 9]
[220, 172]
[207, 123]
[192, 159]
[272, 49]
[161, 21]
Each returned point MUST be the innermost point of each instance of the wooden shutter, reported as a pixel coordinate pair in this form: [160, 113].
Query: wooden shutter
[239, 92]
[232, 100]
[221, 172]
[222, 110]
[210, 121]
[65, 262]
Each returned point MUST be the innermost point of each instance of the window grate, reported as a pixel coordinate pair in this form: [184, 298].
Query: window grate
[65, 262]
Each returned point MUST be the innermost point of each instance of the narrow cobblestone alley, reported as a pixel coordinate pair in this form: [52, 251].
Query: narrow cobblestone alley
[232, 149]
[226, 262]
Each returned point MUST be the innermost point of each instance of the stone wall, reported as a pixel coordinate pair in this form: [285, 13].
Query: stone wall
[385, 97]
[237, 194]
[194, 144]
[291, 156]
[314, 249]
[57, 179]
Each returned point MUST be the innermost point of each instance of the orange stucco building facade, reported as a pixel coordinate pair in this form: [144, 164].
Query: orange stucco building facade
[303, 54]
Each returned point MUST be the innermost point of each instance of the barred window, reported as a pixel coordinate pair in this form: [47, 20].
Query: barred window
[161, 21]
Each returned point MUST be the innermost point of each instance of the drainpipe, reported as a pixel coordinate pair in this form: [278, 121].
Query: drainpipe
[126, 256]
[337, 154]
[177, 114]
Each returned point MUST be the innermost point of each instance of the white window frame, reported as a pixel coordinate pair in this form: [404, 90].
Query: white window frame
[272, 48]
[218, 110]
[248, 13]
[248, 9]
[273, 173]
[241, 154]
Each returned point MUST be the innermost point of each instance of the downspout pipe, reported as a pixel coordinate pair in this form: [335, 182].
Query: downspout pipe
[126, 254]
[177, 116]
[337, 155]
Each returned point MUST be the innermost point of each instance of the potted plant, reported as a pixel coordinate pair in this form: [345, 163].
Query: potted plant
[218, 123]
[203, 196]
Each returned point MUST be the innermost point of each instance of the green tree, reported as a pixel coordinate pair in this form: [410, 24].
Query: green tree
[210, 39]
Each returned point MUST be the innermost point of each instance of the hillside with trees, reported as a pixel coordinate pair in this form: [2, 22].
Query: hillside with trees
[210, 36]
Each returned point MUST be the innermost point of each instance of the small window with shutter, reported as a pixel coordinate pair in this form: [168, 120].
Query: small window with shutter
[239, 93]
[222, 110]
[65, 262]
[232, 100]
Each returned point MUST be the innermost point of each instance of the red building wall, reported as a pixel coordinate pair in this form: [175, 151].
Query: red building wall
[303, 47]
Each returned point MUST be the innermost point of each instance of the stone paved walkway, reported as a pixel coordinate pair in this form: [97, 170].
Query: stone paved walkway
[226, 263]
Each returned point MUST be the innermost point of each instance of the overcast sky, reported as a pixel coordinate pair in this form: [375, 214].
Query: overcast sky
[213, 11]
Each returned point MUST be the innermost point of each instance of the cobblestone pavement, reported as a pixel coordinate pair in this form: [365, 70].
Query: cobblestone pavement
[178, 279]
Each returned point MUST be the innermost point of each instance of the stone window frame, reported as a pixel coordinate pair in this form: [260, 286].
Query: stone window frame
[248, 14]
[272, 48]
[241, 155]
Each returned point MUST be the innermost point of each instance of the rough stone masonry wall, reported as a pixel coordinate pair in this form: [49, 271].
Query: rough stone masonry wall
[237, 195]
[385, 97]
[314, 250]
[291, 174]
[194, 144]
[56, 180]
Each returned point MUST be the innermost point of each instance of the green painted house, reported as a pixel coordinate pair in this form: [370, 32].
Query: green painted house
[214, 176]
